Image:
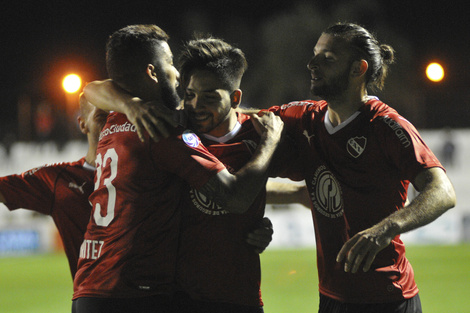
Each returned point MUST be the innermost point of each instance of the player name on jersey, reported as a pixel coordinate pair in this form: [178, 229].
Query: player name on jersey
[91, 249]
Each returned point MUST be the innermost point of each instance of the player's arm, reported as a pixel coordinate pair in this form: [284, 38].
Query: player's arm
[436, 196]
[286, 193]
[150, 116]
[236, 193]
[32, 190]
[248, 110]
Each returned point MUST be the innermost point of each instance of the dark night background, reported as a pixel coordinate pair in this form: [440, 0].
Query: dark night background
[44, 40]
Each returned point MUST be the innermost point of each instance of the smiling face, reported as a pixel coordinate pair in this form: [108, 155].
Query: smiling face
[209, 105]
[330, 67]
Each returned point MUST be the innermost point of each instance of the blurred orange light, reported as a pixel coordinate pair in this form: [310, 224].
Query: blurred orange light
[72, 83]
[435, 72]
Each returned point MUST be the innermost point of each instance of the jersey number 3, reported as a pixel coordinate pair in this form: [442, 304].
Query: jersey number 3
[110, 159]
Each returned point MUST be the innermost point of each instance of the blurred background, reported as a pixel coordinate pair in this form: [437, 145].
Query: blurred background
[44, 41]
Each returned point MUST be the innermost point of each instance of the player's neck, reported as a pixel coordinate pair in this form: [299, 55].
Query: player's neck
[342, 108]
[228, 133]
[226, 126]
[90, 159]
[91, 153]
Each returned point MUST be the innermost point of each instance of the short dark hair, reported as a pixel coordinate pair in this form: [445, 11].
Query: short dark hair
[130, 49]
[227, 62]
[378, 56]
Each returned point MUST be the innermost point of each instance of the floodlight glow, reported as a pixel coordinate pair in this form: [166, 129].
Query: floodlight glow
[435, 72]
[72, 83]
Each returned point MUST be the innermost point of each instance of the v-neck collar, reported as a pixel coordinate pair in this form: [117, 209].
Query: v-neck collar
[333, 129]
[227, 137]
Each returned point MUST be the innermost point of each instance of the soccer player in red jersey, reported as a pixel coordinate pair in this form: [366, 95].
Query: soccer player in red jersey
[61, 190]
[359, 157]
[128, 257]
[217, 270]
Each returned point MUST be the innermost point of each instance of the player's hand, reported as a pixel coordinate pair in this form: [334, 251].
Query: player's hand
[152, 117]
[363, 248]
[268, 123]
[262, 236]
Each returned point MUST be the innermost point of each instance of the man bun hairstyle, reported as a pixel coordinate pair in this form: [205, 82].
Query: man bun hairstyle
[365, 46]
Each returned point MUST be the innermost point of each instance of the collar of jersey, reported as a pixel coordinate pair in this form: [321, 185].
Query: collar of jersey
[333, 129]
[228, 136]
[88, 166]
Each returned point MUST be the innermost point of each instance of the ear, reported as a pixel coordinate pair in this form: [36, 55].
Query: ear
[82, 125]
[150, 71]
[236, 98]
[359, 68]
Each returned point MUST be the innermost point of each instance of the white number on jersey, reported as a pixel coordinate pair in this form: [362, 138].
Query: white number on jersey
[112, 157]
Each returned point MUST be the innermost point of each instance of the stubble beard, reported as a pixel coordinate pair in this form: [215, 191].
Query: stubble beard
[333, 89]
[209, 126]
[169, 94]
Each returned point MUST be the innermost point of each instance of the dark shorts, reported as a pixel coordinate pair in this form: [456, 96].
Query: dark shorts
[328, 305]
[153, 304]
[184, 304]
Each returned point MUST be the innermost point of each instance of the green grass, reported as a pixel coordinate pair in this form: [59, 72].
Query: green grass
[290, 281]
[35, 284]
[443, 277]
[40, 284]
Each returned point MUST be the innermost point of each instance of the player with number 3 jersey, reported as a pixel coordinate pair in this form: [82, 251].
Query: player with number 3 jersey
[134, 224]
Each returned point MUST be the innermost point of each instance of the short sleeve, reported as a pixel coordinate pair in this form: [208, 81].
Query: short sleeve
[404, 146]
[32, 190]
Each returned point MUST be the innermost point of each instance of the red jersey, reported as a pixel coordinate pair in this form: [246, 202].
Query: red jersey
[60, 190]
[130, 246]
[357, 174]
[215, 263]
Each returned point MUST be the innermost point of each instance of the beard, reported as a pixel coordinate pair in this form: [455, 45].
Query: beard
[333, 88]
[210, 124]
[168, 90]
[169, 94]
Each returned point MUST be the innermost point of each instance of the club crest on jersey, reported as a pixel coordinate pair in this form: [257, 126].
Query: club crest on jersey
[191, 139]
[204, 204]
[356, 146]
[327, 197]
